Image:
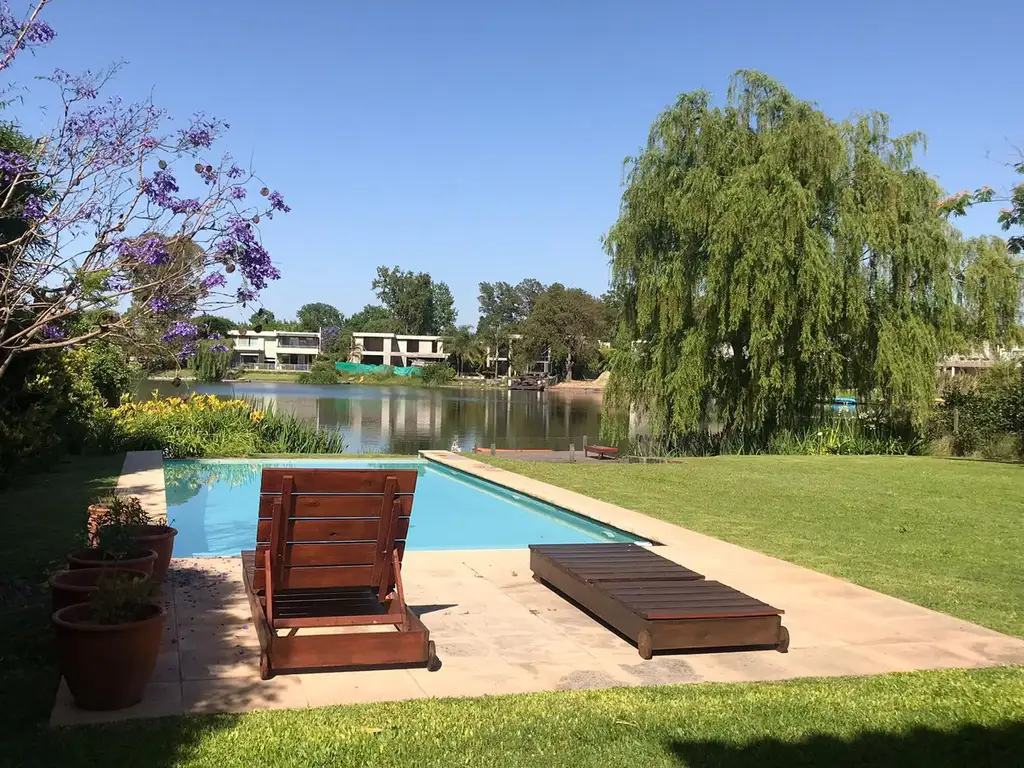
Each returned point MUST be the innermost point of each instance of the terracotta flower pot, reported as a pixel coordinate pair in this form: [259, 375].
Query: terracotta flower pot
[107, 666]
[73, 587]
[97, 514]
[141, 560]
[160, 539]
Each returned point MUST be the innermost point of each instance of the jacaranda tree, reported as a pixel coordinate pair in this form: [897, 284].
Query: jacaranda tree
[127, 213]
[766, 255]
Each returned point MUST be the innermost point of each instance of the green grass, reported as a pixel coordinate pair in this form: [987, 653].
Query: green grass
[952, 718]
[946, 534]
[934, 719]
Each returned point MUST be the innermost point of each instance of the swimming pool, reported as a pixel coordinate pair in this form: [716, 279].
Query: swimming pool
[213, 504]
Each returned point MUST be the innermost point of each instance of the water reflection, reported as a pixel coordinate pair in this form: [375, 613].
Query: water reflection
[408, 419]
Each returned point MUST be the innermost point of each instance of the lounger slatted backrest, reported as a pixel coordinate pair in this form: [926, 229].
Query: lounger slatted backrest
[332, 527]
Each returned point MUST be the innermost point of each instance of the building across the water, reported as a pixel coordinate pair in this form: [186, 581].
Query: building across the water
[274, 350]
[396, 349]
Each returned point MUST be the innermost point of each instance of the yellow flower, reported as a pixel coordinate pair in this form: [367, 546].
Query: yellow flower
[257, 416]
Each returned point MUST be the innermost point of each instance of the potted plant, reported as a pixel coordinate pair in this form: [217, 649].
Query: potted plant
[107, 648]
[80, 585]
[149, 534]
[114, 542]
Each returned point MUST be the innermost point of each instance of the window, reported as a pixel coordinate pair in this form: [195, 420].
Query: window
[396, 361]
[373, 344]
[433, 346]
[412, 345]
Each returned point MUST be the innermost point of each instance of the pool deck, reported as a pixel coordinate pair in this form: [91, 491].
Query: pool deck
[497, 631]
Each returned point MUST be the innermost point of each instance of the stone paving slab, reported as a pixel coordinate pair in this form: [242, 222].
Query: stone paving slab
[498, 631]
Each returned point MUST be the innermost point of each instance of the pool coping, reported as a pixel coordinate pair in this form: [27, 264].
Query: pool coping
[658, 532]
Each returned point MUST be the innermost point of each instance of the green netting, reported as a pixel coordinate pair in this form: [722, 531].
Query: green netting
[368, 370]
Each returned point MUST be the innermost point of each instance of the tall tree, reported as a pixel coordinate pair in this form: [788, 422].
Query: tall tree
[416, 303]
[989, 281]
[313, 317]
[370, 319]
[444, 314]
[767, 255]
[215, 324]
[566, 321]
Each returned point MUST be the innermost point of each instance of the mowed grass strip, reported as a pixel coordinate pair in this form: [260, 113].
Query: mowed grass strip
[941, 533]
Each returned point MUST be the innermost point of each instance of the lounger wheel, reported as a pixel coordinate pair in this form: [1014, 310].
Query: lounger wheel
[265, 671]
[433, 663]
[783, 646]
[643, 644]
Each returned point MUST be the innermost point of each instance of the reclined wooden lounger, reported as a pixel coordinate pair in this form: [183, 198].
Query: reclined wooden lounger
[329, 547]
[658, 604]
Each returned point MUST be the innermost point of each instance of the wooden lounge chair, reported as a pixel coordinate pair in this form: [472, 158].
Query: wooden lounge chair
[657, 603]
[329, 546]
[601, 451]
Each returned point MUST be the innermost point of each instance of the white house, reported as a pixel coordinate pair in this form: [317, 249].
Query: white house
[500, 359]
[396, 349]
[274, 350]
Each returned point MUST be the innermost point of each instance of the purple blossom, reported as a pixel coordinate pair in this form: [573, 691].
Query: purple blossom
[214, 280]
[159, 304]
[118, 283]
[160, 188]
[149, 142]
[52, 332]
[209, 175]
[181, 330]
[238, 242]
[277, 202]
[245, 295]
[188, 205]
[12, 164]
[237, 193]
[39, 32]
[234, 172]
[201, 132]
[148, 250]
[187, 350]
[219, 348]
[34, 208]
[214, 337]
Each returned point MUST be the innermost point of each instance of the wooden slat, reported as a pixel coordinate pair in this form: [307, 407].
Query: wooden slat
[337, 480]
[329, 530]
[334, 553]
[686, 600]
[322, 576]
[612, 562]
[333, 506]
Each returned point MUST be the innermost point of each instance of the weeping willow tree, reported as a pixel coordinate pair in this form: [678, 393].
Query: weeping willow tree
[766, 256]
[988, 283]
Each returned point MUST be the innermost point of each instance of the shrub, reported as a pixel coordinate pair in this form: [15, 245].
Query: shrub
[205, 425]
[983, 415]
[437, 373]
[321, 372]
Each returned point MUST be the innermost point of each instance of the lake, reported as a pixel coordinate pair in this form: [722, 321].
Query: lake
[409, 419]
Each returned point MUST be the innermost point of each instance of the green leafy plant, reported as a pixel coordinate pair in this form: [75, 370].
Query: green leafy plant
[435, 374]
[124, 600]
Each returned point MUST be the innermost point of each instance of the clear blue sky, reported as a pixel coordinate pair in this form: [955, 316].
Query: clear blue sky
[484, 141]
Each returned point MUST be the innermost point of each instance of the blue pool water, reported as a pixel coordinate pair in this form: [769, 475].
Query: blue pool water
[213, 504]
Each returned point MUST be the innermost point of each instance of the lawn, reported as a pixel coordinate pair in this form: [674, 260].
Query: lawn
[955, 717]
[946, 534]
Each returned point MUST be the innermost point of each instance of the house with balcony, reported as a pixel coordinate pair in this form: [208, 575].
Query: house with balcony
[274, 350]
[396, 349]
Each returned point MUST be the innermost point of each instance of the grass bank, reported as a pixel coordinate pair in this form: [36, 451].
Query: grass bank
[945, 534]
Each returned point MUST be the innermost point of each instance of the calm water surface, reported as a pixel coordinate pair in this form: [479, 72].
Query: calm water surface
[408, 419]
